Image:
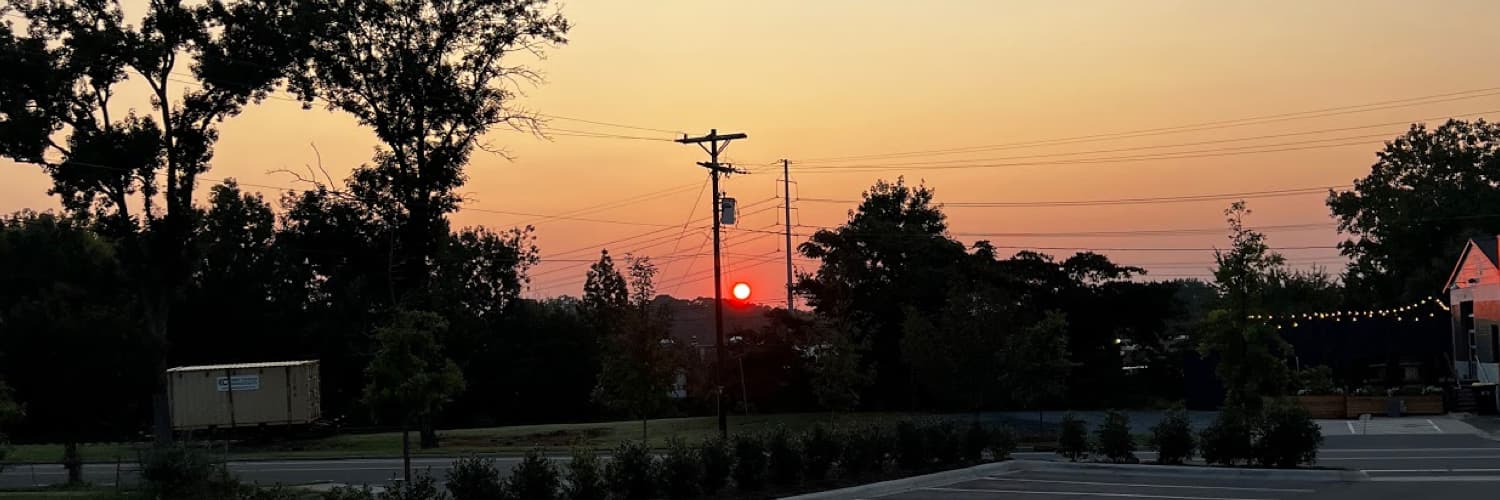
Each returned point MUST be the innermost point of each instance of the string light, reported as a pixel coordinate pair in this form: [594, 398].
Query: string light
[1353, 314]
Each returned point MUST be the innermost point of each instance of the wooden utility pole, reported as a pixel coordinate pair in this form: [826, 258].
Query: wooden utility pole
[786, 201]
[714, 144]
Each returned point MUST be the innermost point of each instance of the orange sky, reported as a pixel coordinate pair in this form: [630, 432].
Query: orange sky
[822, 79]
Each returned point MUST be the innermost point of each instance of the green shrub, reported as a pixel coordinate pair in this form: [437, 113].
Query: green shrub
[349, 493]
[585, 481]
[1287, 437]
[1317, 380]
[535, 478]
[421, 487]
[784, 455]
[1172, 438]
[474, 478]
[272, 493]
[1114, 438]
[629, 474]
[1227, 440]
[679, 475]
[180, 472]
[976, 439]
[1002, 441]
[820, 448]
[1073, 438]
[944, 441]
[911, 449]
[714, 452]
[865, 450]
[749, 462]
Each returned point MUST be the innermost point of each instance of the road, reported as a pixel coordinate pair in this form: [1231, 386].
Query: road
[1405, 458]
[1415, 456]
[374, 471]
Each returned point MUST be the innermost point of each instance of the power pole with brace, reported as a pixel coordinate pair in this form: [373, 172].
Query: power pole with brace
[714, 144]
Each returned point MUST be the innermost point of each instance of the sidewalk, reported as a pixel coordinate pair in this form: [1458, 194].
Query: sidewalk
[1487, 425]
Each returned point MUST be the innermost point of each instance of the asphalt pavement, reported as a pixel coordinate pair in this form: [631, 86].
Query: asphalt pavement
[1404, 458]
[374, 471]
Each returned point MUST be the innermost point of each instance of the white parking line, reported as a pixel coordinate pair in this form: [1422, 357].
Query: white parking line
[1436, 479]
[1449, 457]
[1399, 471]
[1390, 450]
[1083, 494]
[1434, 426]
[1131, 485]
[1351, 427]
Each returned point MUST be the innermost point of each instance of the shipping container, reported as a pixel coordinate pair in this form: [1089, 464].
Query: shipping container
[281, 393]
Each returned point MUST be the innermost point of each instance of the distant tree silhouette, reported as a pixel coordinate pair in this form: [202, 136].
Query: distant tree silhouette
[640, 359]
[70, 340]
[890, 258]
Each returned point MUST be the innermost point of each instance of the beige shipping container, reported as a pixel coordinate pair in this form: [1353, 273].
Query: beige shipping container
[244, 394]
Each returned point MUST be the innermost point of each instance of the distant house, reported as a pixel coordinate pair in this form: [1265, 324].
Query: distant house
[1474, 293]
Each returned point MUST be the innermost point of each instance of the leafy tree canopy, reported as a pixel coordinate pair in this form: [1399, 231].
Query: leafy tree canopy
[1427, 193]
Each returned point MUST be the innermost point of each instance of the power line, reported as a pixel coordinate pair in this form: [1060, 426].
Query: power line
[1208, 125]
[1119, 201]
[609, 124]
[1198, 143]
[1207, 153]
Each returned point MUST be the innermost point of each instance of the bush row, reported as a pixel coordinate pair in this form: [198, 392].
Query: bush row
[1283, 435]
[748, 462]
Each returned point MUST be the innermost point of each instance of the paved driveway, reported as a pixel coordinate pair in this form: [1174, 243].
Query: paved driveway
[1035, 485]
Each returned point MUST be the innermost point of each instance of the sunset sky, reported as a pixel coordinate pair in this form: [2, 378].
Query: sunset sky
[812, 80]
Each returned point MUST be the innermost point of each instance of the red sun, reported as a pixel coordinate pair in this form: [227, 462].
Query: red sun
[741, 291]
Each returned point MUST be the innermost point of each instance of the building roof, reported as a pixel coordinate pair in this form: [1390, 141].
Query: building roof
[242, 366]
[1489, 247]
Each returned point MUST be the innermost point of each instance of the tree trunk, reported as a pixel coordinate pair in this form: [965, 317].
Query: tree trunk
[72, 462]
[429, 437]
[1041, 425]
[643, 430]
[161, 413]
[405, 452]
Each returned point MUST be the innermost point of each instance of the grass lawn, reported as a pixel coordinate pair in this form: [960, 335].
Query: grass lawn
[502, 440]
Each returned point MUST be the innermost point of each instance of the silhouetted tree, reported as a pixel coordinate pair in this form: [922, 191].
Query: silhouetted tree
[70, 339]
[1251, 354]
[10, 411]
[891, 257]
[136, 174]
[409, 376]
[430, 78]
[1036, 364]
[640, 362]
[956, 355]
[1428, 191]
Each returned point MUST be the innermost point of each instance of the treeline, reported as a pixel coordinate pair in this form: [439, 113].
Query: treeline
[312, 279]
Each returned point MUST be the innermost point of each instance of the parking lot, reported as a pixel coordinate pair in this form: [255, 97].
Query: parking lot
[1034, 485]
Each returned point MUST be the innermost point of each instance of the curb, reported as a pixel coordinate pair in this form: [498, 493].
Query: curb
[1114, 470]
[910, 483]
[1312, 475]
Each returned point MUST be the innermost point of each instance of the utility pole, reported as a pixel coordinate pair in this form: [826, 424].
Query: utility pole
[714, 144]
[786, 200]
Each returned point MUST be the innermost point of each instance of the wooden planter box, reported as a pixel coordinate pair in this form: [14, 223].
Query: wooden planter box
[1359, 405]
[1426, 404]
[1329, 406]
